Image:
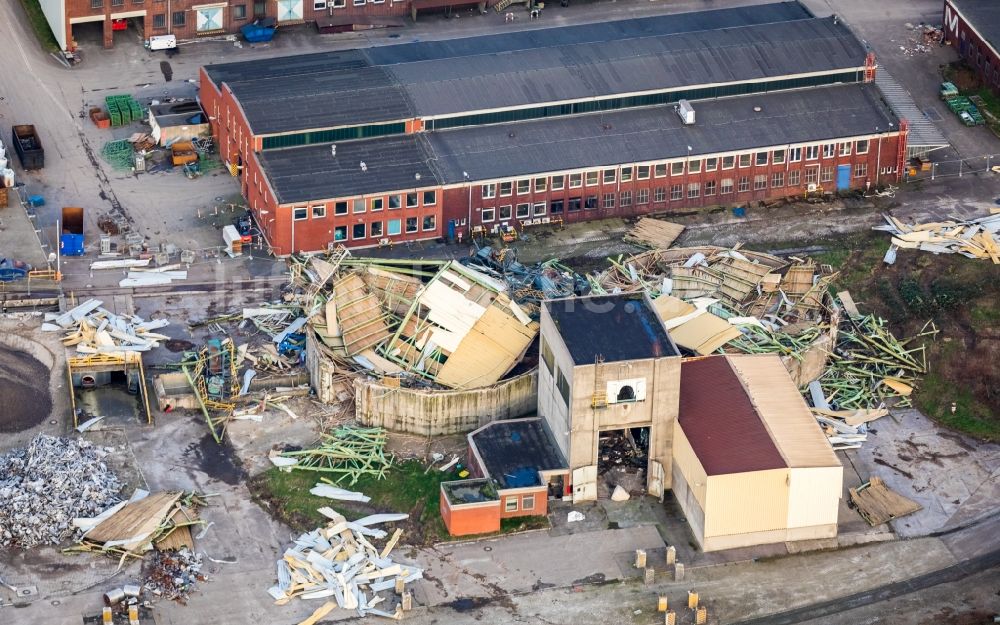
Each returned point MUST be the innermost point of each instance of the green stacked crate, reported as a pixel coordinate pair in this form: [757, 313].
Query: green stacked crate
[113, 112]
[119, 154]
[135, 108]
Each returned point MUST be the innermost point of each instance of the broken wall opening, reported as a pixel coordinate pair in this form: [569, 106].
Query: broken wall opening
[622, 459]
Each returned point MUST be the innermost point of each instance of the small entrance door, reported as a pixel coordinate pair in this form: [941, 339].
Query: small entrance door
[843, 177]
[585, 484]
[654, 481]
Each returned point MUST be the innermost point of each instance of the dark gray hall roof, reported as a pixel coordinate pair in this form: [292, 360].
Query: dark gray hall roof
[577, 71]
[655, 133]
[313, 173]
[598, 32]
[563, 143]
[353, 87]
[984, 15]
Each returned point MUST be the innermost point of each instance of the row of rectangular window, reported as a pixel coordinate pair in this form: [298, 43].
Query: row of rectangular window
[393, 227]
[677, 192]
[179, 18]
[375, 204]
[541, 184]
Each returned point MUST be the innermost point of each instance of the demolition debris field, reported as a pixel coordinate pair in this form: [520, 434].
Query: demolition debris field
[961, 296]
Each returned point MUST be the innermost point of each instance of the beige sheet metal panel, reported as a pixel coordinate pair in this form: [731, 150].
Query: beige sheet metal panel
[814, 496]
[785, 415]
[488, 351]
[740, 503]
[690, 466]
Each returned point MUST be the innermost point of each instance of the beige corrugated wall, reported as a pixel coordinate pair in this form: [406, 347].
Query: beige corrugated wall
[783, 411]
[741, 503]
[687, 462]
[814, 496]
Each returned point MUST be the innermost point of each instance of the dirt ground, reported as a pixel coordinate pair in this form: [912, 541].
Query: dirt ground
[18, 373]
[961, 297]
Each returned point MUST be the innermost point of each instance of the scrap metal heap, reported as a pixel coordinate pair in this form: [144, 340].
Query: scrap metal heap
[427, 323]
[348, 453]
[45, 485]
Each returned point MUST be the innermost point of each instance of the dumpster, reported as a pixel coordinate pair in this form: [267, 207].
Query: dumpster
[71, 237]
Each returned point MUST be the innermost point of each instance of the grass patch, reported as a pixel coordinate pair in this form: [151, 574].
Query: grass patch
[524, 524]
[935, 398]
[961, 296]
[406, 489]
[40, 25]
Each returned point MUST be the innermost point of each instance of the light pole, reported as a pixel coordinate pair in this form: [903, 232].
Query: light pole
[687, 173]
[468, 223]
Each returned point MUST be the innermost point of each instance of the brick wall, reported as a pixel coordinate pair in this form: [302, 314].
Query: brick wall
[971, 47]
[671, 191]
[536, 498]
[470, 519]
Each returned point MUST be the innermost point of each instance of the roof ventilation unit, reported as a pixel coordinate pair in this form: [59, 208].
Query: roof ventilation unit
[686, 111]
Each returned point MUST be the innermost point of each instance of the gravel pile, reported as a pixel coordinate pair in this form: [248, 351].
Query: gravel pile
[48, 483]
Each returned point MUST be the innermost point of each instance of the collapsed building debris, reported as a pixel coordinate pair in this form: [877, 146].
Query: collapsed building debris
[348, 452]
[972, 238]
[654, 233]
[453, 326]
[92, 330]
[529, 284]
[47, 484]
[714, 298]
[133, 527]
[339, 561]
[877, 504]
[718, 300]
[173, 574]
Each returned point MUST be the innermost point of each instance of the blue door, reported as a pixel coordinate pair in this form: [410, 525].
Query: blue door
[843, 177]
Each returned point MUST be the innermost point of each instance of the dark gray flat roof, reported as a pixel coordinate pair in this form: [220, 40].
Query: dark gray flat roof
[427, 79]
[615, 327]
[515, 451]
[563, 143]
[657, 133]
[313, 173]
[984, 15]
[639, 64]
[598, 32]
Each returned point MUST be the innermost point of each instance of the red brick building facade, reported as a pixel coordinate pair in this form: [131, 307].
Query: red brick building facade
[403, 143]
[973, 28]
[190, 19]
[680, 185]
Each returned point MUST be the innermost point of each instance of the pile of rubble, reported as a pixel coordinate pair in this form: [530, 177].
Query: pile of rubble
[713, 298]
[972, 238]
[347, 453]
[173, 575]
[339, 561]
[94, 330]
[144, 522]
[45, 486]
[529, 284]
[423, 323]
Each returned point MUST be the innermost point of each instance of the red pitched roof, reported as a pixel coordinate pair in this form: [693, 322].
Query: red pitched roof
[720, 421]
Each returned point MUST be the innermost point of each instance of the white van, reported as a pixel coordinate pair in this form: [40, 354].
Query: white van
[162, 42]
